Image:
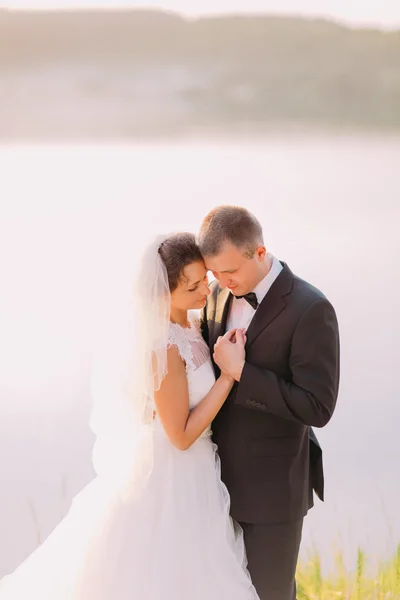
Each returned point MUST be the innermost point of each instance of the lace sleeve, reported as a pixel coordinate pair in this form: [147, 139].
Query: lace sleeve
[176, 337]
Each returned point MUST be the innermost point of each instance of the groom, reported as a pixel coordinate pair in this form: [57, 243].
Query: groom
[287, 382]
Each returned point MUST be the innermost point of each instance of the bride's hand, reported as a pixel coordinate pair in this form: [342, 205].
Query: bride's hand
[231, 336]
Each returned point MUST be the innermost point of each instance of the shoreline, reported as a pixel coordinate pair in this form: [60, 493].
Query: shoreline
[242, 132]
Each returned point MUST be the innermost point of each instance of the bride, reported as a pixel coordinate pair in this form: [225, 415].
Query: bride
[154, 524]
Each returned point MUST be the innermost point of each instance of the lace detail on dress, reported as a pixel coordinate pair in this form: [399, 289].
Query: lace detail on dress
[178, 338]
[191, 346]
[195, 353]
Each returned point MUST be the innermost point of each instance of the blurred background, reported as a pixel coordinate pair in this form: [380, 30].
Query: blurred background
[120, 121]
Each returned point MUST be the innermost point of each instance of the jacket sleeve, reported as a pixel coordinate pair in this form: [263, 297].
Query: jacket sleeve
[310, 396]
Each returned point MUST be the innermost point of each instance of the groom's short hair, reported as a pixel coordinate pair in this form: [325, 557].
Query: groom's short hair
[233, 224]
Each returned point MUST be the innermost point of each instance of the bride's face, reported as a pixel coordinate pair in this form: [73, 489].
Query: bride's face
[192, 290]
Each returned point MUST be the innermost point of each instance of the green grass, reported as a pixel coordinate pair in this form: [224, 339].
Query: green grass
[367, 582]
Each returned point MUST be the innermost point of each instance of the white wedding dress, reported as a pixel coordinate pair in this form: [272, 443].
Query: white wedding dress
[169, 537]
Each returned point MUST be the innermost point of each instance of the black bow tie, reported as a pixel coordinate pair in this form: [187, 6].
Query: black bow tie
[251, 298]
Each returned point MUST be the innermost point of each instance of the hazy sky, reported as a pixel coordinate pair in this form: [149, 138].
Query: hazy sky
[385, 13]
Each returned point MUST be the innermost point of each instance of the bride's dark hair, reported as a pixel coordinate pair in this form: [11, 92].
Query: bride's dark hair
[177, 252]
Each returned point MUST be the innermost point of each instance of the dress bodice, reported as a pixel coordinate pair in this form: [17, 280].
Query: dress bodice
[196, 355]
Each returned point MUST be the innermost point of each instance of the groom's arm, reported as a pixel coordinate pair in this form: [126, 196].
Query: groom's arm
[310, 397]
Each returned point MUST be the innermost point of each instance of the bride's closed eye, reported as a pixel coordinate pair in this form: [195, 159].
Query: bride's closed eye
[205, 280]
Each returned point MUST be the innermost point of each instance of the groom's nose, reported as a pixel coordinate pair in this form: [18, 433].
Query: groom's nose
[224, 280]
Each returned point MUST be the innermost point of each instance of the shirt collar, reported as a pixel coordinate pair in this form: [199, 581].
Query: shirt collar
[263, 287]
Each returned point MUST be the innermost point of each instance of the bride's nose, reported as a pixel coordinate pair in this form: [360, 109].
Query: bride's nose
[206, 289]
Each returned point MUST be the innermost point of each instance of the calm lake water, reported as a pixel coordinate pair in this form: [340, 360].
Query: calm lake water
[71, 221]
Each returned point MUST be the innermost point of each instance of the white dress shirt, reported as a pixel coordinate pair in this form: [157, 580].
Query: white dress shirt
[241, 312]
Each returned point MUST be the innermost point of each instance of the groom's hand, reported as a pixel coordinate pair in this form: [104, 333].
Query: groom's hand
[229, 353]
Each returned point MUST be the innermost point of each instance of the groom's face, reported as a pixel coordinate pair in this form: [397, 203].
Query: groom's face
[235, 270]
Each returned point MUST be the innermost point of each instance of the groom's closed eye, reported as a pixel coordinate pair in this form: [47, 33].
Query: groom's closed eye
[224, 273]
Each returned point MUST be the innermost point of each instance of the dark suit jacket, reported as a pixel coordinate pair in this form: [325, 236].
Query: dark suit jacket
[270, 457]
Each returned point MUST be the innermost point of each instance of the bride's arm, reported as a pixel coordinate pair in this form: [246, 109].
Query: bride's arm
[181, 425]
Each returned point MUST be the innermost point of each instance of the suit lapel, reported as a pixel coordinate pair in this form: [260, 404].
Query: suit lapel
[272, 305]
[223, 303]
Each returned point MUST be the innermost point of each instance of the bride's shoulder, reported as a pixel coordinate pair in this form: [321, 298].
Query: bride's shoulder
[183, 336]
[178, 337]
[177, 333]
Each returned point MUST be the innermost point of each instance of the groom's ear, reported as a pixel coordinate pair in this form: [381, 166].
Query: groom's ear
[261, 252]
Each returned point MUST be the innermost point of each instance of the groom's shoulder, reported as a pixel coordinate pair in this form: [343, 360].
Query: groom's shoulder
[306, 291]
[306, 288]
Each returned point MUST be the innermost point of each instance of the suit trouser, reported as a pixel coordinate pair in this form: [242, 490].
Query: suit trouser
[272, 552]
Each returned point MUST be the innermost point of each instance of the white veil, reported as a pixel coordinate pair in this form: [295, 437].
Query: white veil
[130, 366]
